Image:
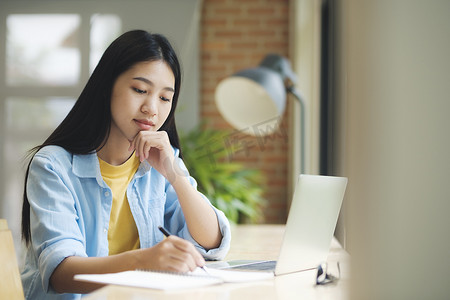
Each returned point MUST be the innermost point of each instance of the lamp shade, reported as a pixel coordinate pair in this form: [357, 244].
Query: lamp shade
[252, 100]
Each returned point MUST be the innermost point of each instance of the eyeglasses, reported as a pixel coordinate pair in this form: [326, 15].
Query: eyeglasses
[323, 277]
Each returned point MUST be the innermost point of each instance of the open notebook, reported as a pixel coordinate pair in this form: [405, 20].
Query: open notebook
[173, 281]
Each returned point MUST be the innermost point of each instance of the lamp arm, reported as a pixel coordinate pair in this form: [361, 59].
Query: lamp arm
[290, 88]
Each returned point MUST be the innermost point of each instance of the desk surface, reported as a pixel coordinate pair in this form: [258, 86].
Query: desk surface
[251, 242]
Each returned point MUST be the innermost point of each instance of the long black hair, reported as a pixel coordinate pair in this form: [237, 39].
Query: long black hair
[86, 127]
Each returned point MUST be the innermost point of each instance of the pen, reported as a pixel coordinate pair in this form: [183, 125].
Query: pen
[167, 234]
[164, 231]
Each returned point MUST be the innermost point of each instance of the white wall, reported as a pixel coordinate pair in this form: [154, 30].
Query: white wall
[395, 87]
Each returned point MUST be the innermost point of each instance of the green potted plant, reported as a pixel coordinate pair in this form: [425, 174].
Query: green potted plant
[230, 186]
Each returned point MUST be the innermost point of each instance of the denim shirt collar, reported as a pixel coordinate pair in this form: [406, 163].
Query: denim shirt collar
[87, 166]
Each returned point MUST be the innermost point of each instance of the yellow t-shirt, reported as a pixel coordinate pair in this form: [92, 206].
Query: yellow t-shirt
[122, 233]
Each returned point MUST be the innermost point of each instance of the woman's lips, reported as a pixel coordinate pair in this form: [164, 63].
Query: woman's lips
[144, 124]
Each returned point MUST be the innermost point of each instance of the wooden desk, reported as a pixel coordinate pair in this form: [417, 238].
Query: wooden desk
[251, 242]
[10, 283]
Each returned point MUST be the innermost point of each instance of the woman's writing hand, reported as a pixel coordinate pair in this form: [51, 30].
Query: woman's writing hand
[173, 254]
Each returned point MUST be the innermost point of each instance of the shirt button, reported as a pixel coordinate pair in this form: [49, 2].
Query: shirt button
[106, 194]
[105, 230]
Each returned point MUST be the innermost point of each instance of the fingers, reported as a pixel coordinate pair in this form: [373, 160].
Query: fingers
[189, 248]
[143, 147]
[179, 255]
[144, 141]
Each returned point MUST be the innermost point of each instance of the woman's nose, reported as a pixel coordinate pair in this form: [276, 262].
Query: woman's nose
[149, 108]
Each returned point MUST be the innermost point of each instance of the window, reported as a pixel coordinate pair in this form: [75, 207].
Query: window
[44, 59]
[42, 50]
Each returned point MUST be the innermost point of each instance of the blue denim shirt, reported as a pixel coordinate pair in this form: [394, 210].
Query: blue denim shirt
[70, 207]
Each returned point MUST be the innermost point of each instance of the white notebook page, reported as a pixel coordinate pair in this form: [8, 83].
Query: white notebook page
[172, 281]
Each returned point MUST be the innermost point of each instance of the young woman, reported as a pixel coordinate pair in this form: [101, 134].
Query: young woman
[98, 188]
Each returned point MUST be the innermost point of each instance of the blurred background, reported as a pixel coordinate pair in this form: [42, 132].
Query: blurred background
[375, 79]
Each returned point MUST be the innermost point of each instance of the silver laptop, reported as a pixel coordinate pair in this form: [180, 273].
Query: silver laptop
[309, 229]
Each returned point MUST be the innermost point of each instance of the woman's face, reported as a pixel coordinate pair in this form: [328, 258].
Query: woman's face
[141, 99]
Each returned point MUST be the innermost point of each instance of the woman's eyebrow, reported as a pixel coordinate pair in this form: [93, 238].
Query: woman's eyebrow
[143, 79]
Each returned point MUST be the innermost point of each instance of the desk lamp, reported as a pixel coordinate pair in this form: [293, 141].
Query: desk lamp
[253, 100]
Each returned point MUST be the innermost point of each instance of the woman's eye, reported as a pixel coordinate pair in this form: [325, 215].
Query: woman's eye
[139, 91]
[165, 99]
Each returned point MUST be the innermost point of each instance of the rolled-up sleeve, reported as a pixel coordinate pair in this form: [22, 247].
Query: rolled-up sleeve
[219, 252]
[53, 217]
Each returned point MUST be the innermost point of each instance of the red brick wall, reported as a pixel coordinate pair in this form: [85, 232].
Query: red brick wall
[237, 34]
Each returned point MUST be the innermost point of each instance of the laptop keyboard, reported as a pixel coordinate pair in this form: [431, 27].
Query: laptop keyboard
[258, 266]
